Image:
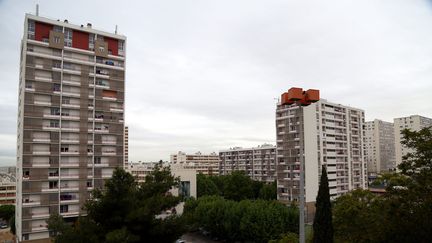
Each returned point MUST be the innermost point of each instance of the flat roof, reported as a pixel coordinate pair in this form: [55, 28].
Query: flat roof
[73, 26]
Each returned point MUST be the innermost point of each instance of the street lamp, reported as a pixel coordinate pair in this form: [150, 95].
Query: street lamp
[301, 98]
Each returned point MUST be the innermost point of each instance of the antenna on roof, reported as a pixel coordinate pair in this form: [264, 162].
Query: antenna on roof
[116, 30]
[37, 9]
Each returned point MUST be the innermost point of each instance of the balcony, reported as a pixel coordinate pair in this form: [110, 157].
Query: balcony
[27, 202]
[49, 189]
[66, 188]
[41, 152]
[69, 165]
[68, 199]
[69, 176]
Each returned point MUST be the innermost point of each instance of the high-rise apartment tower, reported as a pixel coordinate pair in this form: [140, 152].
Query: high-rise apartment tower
[333, 136]
[70, 119]
[379, 146]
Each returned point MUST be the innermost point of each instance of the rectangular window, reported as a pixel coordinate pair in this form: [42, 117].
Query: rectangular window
[64, 148]
[97, 160]
[58, 28]
[68, 37]
[64, 208]
[53, 184]
[56, 87]
[31, 30]
[91, 42]
[55, 111]
[54, 123]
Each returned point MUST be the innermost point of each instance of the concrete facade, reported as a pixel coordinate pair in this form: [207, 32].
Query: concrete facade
[207, 164]
[70, 120]
[379, 146]
[332, 136]
[414, 123]
[259, 163]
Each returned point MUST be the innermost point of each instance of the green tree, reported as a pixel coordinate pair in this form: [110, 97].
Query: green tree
[356, 217]
[127, 211]
[206, 186]
[238, 186]
[322, 225]
[7, 212]
[244, 221]
[268, 191]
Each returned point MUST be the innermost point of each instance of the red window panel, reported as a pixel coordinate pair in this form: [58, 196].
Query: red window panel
[80, 40]
[109, 93]
[42, 31]
[112, 46]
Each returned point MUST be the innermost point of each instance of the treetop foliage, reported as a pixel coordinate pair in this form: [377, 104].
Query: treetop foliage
[236, 186]
[126, 211]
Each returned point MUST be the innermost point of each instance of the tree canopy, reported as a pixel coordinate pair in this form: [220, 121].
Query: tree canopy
[403, 213]
[126, 211]
[236, 186]
[322, 225]
[245, 221]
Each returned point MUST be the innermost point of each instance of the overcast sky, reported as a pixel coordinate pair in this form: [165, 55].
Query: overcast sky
[203, 75]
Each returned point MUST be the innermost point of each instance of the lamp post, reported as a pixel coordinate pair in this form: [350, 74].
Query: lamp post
[301, 98]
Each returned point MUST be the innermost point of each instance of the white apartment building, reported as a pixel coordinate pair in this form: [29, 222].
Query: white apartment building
[207, 164]
[414, 123]
[259, 163]
[70, 120]
[333, 136]
[379, 146]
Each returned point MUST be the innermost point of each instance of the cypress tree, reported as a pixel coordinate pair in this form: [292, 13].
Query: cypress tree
[322, 225]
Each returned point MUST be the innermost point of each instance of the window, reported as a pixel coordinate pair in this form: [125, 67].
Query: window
[91, 41]
[101, 49]
[29, 85]
[54, 123]
[89, 184]
[184, 190]
[56, 39]
[56, 87]
[31, 30]
[58, 28]
[55, 111]
[121, 45]
[64, 208]
[64, 148]
[53, 184]
[68, 37]
[66, 101]
[97, 160]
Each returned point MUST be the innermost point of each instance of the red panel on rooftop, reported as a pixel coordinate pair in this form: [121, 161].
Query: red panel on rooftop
[42, 31]
[80, 40]
[112, 46]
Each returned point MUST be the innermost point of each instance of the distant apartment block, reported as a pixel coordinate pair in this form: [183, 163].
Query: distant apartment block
[207, 164]
[259, 163]
[379, 146]
[333, 136]
[414, 123]
[7, 188]
[70, 120]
